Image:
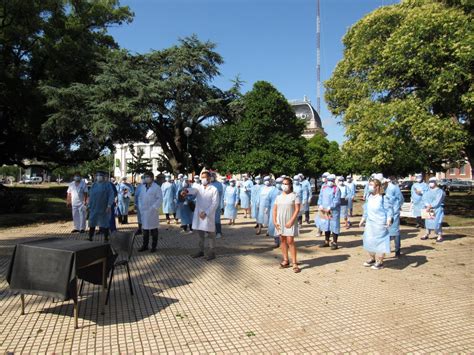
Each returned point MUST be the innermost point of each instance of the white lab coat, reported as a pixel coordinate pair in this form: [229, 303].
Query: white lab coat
[79, 214]
[150, 200]
[207, 201]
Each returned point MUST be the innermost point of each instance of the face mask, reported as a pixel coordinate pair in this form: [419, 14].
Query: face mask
[325, 180]
[232, 184]
[419, 179]
[213, 179]
[167, 179]
[99, 178]
[296, 183]
[371, 188]
[258, 182]
[148, 180]
[267, 183]
[204, 182]
[285, 188]
[432, 185]
[278, 186]
[330, 183]
[77, 178]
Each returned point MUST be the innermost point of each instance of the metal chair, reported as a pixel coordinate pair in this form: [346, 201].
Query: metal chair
[122, 245]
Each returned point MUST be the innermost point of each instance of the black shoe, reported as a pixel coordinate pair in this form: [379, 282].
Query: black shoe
[82, 231]
[211, 256]
[143, 248]
[153, 250]
[138, 232]
[325, 245]
[197, 255]
[256, 226]
[398, 254]
[75, 231]
[334, 246]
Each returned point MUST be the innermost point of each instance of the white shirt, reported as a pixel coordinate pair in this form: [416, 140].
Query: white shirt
[150, 200]
[77, 191]
[207, 201]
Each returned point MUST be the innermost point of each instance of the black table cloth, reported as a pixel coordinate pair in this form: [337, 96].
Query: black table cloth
[50, 267]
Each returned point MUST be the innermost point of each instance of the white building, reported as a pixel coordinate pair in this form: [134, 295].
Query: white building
[304, 110]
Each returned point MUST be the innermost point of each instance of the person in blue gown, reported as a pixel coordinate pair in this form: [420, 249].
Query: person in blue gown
[245, 189]
[393, 193]
[433, 201]
[168, 189]
[329, 203]
[264, 204]
[231, 201]
[101, 198]
[254, 199]
[417, 191]
[377, 217]
[351, 194]
[307, 194]
[124, 195]
[185, 208]
[317, 220]
[271, 226]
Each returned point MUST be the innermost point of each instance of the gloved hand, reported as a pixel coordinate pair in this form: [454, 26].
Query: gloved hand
[389, 222]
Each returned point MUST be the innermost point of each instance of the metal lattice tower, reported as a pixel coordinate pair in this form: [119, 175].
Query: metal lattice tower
[318, 57]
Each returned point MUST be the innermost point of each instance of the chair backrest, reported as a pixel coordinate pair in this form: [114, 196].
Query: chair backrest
[122, 244]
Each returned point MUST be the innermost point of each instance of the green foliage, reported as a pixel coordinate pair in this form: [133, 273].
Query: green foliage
[9, 170]
[54, 43]
[88, 168]
[138, 165]
[404, 87]
[12, 201]
[162, 91]
[266, 138]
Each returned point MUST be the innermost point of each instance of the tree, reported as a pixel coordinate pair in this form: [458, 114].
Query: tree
[138, 165]
[47, 42]
[161, 91]
[404, 88]
[266, 138]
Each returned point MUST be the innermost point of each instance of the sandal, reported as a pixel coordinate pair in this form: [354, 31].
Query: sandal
[296, 268]
[425, 237]
[284, 265]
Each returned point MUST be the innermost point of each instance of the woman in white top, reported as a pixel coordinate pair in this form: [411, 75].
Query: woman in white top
[285, 215]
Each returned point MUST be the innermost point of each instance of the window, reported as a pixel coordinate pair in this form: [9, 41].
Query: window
[462, 170]
[452, 171]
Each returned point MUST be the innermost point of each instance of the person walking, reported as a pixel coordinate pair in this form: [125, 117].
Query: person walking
[150, 200]
[285, 215]
[329, 203]
[231, 201]
[417, 191]
[207, 202]
[433, 201]
[77, 200]
[101, 199]
[377, 217]
[393, 193]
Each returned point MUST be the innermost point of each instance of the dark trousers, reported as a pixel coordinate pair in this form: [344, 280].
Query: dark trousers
[328, 236]
[154, 237]
[168, 216]
[104, 231]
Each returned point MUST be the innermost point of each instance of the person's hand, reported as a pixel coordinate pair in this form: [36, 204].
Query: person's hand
[277, 226]
[68, 204]
[184, 193]
[288, 225]
[202, 215]
[236, 205]
[320, 207]
[389, 222]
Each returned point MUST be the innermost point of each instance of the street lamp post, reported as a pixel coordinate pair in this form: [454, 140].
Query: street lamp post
[187, 132]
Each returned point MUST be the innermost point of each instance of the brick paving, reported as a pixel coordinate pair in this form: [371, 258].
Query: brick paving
[242, 302]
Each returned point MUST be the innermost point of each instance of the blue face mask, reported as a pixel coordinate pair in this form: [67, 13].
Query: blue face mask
[371, 188]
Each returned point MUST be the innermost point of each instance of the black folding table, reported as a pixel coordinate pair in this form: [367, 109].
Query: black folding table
[50, 267]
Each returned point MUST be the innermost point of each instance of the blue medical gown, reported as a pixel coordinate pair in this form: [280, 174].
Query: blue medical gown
[393, 193]
[264, 205]
[220, 190]
[435, 198]
[169, 195]
[417, 199]
[245, 189]
[101, 196]
[330, 198]
[271, 226]
[254, 200]
[231, 198]
[377, 209]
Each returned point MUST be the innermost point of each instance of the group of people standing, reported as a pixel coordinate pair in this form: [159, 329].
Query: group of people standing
[276, 204]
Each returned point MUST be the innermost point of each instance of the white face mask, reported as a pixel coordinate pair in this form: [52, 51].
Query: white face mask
[232, 184]
[371, 188]
[204, 181]
[419, 179]
[285, 188]
[267, 183]
[432, 185]
[167, 179]
[258, 182]
[330, 183]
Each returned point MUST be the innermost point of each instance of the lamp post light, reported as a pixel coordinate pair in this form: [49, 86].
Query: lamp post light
[187, 132]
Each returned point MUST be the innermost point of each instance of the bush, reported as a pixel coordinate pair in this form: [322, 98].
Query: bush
[12, 201]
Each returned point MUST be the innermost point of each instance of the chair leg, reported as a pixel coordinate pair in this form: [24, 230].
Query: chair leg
[129, 279]
[80, 288]
[109, 286]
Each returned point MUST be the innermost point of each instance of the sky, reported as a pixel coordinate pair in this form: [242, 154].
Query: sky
[271, 40]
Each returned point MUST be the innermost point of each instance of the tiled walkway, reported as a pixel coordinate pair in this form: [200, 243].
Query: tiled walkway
[242, 301]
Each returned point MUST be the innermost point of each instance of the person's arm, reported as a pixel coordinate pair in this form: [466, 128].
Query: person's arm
[364, 214]
[190, 191]
[438, 199]
[275, 212]
[68, 199]
[388, 207]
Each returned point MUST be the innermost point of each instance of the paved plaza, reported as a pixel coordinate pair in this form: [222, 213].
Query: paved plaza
[242, 302]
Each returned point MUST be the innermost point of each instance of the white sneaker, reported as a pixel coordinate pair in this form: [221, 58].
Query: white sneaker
[189, 232]
[218, 236]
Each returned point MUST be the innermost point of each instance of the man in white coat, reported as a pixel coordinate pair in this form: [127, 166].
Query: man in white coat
[77, 199]
[149, 200]
[207, 202]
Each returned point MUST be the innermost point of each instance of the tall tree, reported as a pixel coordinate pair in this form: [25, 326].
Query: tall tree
[161, 91]
[53, 42]
[404, 88]
[265, 138]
